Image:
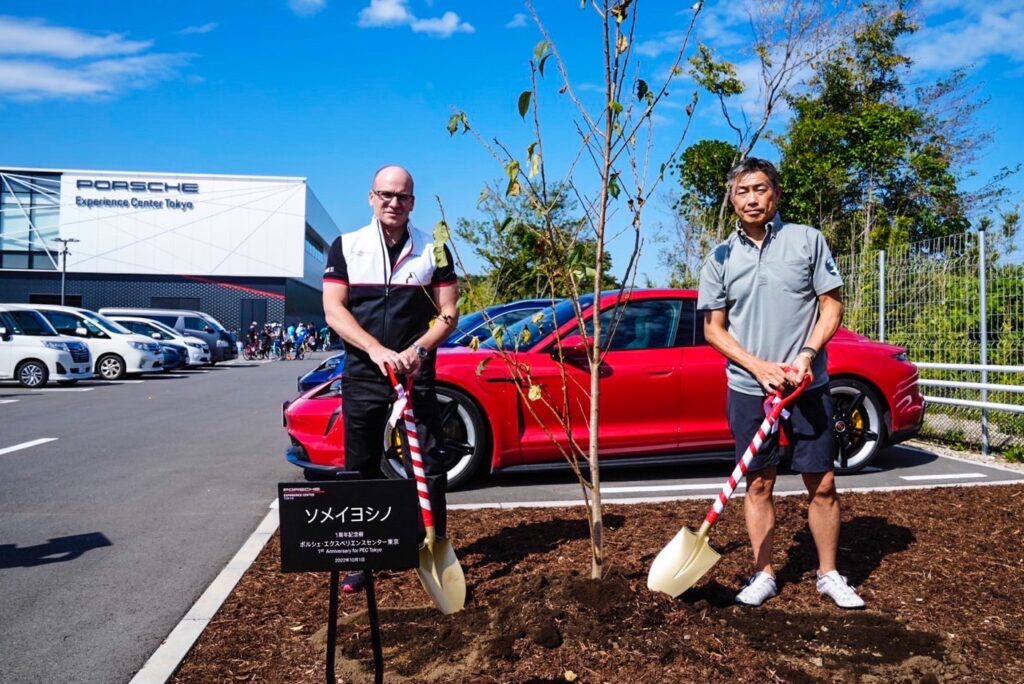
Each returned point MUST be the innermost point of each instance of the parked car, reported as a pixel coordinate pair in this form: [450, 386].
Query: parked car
[196, 352]
[174, 356]
[117, 351]
[193, 323]
[33, 353]
[478, 324]
[663, 395]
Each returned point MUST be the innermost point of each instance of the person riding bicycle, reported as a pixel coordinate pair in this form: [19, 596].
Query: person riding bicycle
[265, 340]
[300, 340]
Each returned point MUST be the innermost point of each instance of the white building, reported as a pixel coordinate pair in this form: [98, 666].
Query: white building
[241, 248]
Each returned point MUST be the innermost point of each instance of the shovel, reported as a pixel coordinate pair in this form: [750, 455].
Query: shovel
[439, 570]
[686, 558]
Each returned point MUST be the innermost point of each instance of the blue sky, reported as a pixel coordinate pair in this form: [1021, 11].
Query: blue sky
[333, 89]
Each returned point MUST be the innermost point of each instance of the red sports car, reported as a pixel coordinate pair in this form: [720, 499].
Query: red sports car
[663, 394]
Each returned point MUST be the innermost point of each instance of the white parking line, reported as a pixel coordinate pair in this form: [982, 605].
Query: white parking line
[663, 488]
[946, 476]
[9, 401]
[64, 389]
[26, 445]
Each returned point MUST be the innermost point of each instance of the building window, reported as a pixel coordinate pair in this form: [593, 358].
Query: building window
[69, 300]
[188, 303]
[29, 220]
[314, 250]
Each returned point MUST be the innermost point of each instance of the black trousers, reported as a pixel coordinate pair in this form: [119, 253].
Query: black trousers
[366, 405]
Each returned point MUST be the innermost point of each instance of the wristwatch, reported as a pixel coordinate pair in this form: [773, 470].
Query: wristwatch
[809, 351]
[421, 351]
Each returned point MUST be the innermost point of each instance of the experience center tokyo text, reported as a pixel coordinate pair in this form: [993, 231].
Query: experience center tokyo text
[104, 185]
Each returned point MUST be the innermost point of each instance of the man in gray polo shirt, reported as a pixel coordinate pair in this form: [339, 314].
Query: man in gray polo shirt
[771, 300]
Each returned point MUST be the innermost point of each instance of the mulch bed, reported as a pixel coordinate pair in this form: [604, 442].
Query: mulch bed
[940, 570]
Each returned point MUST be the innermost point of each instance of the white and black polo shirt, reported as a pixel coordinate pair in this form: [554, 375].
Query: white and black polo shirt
[390, 292]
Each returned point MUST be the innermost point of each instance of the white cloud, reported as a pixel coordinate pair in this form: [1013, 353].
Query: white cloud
[443, 26]
[202, 28]
[518, 21]
[973, 35]
[392, 13]
[31, 80]
[307, 8]
[39, 61]
[385, 13]
[35, 81]
[35, 37]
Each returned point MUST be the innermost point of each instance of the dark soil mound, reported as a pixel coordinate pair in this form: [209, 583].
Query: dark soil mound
[939, 570]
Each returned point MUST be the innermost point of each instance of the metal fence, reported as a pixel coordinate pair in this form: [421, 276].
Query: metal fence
[957, 305]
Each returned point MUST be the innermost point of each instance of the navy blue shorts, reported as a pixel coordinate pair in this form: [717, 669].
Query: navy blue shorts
[809, 429]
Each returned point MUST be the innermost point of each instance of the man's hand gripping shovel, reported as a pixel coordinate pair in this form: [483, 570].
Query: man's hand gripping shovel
[439, 570]
[688, 556]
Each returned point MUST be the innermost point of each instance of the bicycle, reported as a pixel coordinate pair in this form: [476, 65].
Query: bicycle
[252, 350]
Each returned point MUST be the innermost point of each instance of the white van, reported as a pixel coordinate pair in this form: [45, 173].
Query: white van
[115, 349]
[33, 353]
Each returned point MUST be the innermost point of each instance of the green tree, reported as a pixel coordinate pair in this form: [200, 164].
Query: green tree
[531, 249]
[702, 189]
[861, 159]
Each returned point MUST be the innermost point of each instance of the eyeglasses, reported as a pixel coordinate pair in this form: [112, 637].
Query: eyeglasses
[386, 196]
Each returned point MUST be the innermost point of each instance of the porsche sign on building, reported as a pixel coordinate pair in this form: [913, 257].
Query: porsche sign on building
[241, 248]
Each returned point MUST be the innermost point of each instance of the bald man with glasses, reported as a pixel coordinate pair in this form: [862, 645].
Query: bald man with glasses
[392, 303]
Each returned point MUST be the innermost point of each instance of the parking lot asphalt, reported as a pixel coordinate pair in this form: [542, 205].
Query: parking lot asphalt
[120, 502]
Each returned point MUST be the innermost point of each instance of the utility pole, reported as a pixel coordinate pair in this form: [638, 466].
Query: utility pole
[64, 263]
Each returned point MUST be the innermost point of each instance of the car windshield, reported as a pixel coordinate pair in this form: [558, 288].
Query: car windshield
[213, 322]
[525, 334]
[173, 334]
[29, 323]
[464, 328]
[105, 323]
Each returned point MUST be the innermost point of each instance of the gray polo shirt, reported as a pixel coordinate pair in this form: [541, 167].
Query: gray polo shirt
[770, 294]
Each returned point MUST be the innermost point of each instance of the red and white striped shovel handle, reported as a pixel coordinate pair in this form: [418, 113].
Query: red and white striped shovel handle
[778, 404]
[413, 440]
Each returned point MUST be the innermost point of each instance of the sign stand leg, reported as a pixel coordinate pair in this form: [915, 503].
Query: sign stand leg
[332, 626]
[378, 653]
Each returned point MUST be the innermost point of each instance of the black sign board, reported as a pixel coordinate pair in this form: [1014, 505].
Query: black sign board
[348, 525]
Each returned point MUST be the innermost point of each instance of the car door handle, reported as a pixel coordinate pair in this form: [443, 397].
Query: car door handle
[662, 372]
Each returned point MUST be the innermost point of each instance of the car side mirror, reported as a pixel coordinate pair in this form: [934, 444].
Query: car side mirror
[3, 333]
[81, 332]
[208, 329]
[574, 348]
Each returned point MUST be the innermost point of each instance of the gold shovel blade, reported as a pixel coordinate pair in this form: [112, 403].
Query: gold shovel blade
[682, 562]
[442, 577]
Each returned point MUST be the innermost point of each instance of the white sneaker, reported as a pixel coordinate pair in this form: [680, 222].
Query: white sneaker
[759, 589]
[834, 585]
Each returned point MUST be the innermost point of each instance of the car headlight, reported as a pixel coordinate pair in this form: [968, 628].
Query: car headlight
[196, 345]
[63, 346]
[222, 343]
[140, 346]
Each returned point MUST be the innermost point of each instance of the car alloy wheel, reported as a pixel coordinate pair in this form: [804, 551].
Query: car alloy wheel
[32, 374]
[465, 439]
[857, 423]
[110, 368]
